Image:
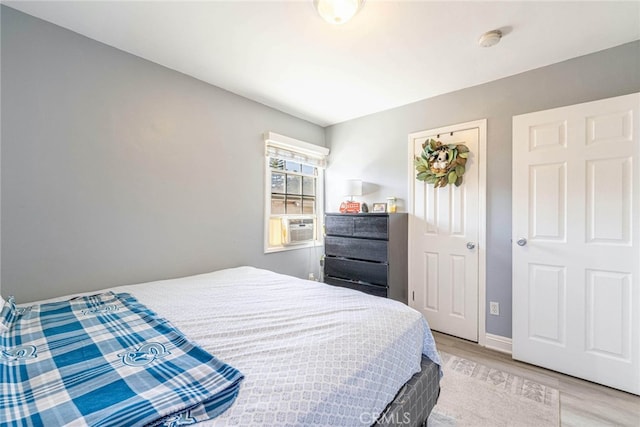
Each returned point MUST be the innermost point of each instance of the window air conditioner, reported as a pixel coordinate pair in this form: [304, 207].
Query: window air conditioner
[297, 230]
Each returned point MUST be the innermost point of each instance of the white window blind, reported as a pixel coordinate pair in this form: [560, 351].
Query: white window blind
[285, 148]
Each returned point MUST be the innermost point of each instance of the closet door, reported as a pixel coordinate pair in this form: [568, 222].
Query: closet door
[444, 234]
[576, 258]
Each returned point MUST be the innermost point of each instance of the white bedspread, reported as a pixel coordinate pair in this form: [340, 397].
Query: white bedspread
[311, 354]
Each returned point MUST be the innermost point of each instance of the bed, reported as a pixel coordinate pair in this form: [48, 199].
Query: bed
[309, 353]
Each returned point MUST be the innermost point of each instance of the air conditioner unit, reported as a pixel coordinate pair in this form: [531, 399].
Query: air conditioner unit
[298, 230]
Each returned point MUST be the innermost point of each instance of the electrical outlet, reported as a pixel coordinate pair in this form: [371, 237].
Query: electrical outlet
[312, 276]
[494, 308]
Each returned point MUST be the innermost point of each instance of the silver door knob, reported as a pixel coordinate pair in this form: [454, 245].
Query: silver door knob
[471, 245]
[521, 241]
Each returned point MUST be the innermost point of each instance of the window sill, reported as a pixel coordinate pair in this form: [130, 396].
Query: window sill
[275, 249]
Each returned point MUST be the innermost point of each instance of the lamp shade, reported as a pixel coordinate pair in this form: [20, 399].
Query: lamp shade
[353, 187]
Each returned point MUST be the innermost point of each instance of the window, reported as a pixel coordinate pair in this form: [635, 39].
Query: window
[293, 192]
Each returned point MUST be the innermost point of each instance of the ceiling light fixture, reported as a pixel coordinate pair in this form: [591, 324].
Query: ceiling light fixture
[490, 38]
[337, 11]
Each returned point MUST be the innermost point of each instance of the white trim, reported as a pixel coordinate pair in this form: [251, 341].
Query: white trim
[481, 125]
[280, 141]
[272, 139]
[482, 232]
[498, 343]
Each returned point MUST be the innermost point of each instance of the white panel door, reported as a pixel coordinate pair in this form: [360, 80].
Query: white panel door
[576, 246]
[443, 242]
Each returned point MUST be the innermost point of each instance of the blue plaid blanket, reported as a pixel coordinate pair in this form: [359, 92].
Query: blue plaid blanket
[105, 360]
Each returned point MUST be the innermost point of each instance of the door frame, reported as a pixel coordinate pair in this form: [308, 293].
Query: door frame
[482, 209]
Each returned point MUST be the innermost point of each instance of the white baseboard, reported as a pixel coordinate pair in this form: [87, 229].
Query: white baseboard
[496, 342]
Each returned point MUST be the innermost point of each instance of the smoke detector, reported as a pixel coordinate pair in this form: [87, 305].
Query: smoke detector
[490, 38]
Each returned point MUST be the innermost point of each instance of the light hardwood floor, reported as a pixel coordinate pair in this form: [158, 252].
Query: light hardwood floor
[582, 403]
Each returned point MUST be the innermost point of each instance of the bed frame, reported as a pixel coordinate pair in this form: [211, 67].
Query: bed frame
[415, 400]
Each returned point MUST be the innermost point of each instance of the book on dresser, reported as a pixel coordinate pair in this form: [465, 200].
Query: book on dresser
[367, 252]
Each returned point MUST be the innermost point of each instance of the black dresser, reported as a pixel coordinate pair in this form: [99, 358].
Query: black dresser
[367, 252]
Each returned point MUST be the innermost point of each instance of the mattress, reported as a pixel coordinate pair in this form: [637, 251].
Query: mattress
[311, 354]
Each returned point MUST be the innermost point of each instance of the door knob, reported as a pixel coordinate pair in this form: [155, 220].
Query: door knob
[471, 245]
[521, 241]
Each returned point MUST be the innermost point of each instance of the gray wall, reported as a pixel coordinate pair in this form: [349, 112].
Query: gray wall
[116, 170]
[375, 148]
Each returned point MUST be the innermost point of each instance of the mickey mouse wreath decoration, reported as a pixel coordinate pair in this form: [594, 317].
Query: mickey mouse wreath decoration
[441, 164]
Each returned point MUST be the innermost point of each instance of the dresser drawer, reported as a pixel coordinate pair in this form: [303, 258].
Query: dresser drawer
[348, 247]
[367, 226]
[338, 225]
[379, 291]
[369, 272]
[371, 227]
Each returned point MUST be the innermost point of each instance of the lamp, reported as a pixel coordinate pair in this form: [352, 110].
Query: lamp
[353, 188]
[337, 11]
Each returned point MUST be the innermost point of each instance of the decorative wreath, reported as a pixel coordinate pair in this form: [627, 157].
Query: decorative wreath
[441, 164]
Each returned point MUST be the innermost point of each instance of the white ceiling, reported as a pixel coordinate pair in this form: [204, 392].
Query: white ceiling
[282, 54]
